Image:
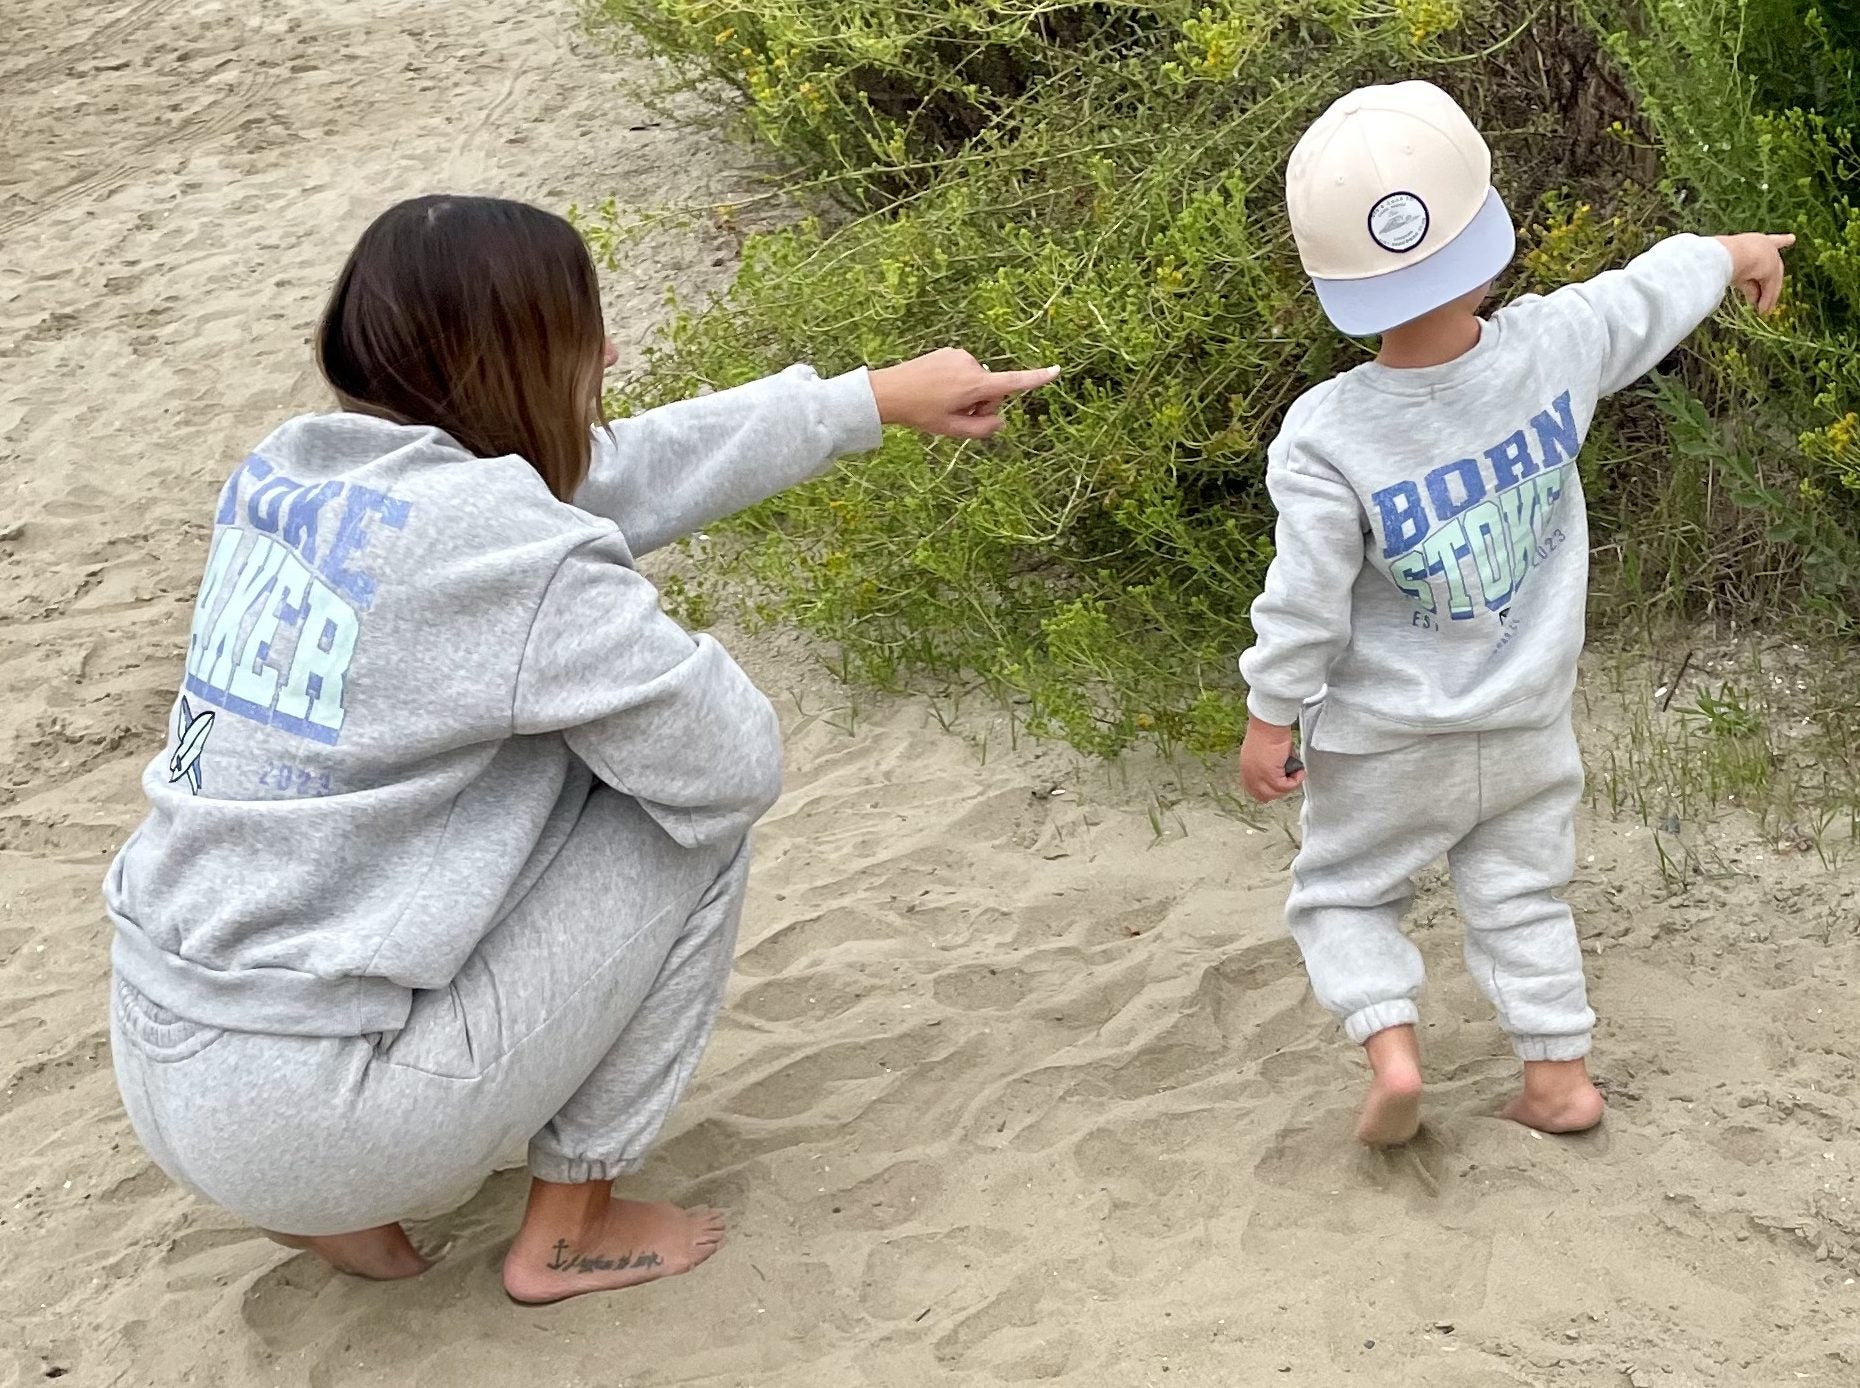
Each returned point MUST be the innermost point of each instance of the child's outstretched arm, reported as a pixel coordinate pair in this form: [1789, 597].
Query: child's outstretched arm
[1653, 303]
[661, 475]
[1301, 619]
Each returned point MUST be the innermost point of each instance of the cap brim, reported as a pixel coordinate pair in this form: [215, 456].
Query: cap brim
[1365, 307]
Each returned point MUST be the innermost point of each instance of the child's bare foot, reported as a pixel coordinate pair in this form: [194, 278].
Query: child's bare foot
[578, 1239]
[382, 1254]
[1392, 1112]
[1558, 1097]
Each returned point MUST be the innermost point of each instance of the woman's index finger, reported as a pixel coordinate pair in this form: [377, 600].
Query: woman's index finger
[1000, 383]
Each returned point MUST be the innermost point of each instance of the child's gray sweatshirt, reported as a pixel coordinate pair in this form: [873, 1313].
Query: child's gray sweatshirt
[1433, 558]
[406, 667]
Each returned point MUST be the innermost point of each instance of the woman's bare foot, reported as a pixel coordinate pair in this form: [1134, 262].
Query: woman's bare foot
[383, 1254]
[578, 1239]
[1558, 1097]
[1392, 1112]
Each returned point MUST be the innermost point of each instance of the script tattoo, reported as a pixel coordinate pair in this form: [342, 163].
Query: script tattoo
[564, 1261]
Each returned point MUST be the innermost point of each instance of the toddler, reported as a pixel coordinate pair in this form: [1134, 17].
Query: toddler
[1422, 619]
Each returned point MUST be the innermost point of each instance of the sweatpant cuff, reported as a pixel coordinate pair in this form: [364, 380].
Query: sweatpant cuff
[575, 1171]
[1360, 1026]
[1552, 1047]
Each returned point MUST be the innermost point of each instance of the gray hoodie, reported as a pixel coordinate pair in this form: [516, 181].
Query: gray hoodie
[407, 668]
[1432, 557]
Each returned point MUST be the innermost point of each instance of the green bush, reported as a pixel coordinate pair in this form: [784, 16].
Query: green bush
[1098, 186]
[882, 91]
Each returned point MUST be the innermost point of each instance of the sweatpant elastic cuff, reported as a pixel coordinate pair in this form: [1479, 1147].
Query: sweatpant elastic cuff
[1552, 1047]
[575, 1171]
[1360, 1026]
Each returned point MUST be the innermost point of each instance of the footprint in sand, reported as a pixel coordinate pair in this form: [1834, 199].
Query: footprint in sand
[278, 1307]
[813, 936]
[897, 1194]
[984, 988]
[815, 996]
[74, 510]
[905, 1275]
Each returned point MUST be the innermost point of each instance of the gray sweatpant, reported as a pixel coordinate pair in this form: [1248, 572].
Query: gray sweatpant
[1501, 807]
[575, 1026]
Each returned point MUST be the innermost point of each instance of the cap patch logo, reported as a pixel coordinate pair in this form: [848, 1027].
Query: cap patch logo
[1398, 222]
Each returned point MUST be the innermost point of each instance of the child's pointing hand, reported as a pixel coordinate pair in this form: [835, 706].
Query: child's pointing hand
[950, 393]
[1757, 266]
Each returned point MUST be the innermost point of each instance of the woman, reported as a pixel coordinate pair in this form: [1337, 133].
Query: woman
[448, 846]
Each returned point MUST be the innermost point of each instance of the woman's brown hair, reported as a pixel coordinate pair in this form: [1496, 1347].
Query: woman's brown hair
[478, 316]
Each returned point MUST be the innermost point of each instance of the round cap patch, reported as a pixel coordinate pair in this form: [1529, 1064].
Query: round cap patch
[1398, 222]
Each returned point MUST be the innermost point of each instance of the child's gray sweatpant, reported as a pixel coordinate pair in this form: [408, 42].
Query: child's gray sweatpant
[575, 1027]
[1501, 807]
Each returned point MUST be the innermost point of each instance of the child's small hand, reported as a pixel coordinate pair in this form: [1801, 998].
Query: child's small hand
[1757, 266]
[1263, 759]
[950, 393]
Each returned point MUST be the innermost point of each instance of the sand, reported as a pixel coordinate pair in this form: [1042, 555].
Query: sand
[1019, 1080]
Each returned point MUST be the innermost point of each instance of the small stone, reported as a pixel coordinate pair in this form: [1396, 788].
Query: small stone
[1369, 1344]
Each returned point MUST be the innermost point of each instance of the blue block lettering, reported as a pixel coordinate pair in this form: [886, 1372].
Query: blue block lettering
[1558, 439]
[1511, 461]
[1440, 488]
[1404, 520]
[253, 466]
[300, 520]
[352, 535]
[267, 503]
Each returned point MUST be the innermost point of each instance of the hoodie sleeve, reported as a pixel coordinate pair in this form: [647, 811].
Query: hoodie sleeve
[663, 474]
[1301, 619]
[1652, 304]
[665, 717]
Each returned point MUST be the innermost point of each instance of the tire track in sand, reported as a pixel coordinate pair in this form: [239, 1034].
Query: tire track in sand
[105, 34]
[217, 119]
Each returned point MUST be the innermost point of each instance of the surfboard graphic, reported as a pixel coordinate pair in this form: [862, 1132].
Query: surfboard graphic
[190, 743]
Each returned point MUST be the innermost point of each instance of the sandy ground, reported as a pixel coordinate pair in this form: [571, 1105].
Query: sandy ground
[1020, 1079]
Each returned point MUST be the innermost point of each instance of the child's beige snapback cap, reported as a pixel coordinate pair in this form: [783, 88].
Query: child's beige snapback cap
[1392, 206]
